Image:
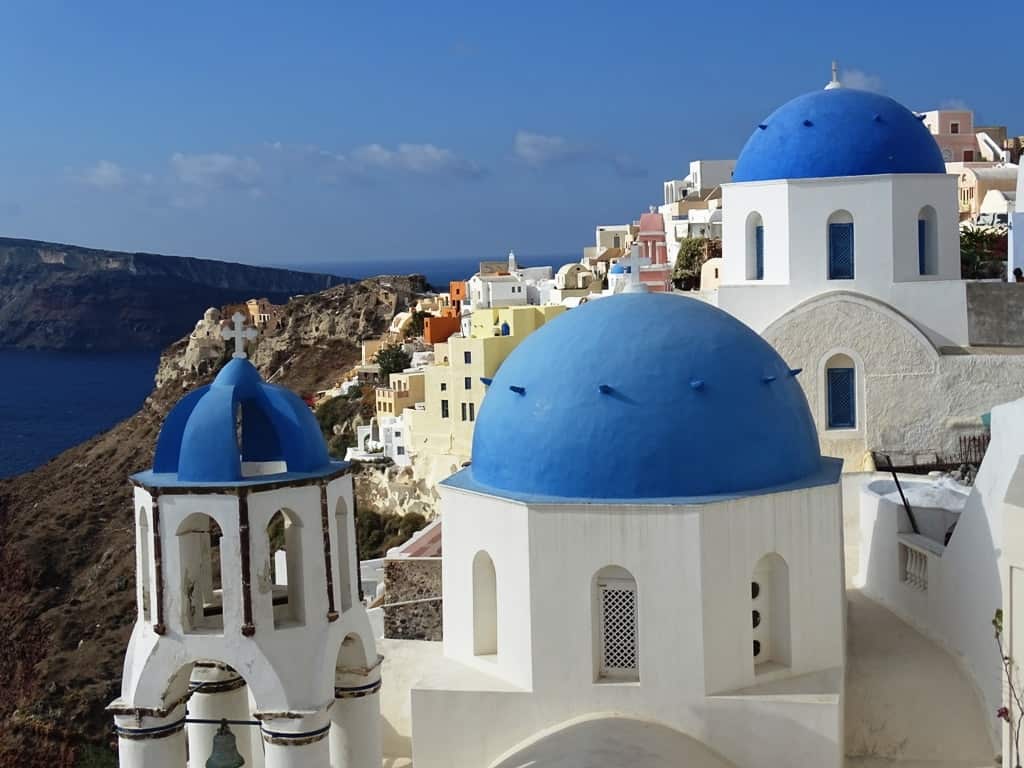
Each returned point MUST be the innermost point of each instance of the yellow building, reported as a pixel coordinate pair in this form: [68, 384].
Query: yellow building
[404, 390]
[453, 390]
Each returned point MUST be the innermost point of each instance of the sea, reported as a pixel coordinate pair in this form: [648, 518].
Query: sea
[50, 401]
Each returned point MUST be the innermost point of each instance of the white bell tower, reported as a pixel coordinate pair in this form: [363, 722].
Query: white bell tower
[247, 589]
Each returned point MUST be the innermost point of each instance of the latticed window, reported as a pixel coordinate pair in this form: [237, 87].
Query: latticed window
[842, 405]
[619, 647]
[840, 251]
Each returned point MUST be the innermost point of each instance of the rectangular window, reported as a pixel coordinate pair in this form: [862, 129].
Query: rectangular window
[463, 411]
[840, 251]
[968, 155]
[400, 450]
[468, 381]
[467, 357]
[618, 627]
[922, 265]
[472, 411]
[954, 127]
[444, 409]
[759, 252]
[444, 386]
[842, 402]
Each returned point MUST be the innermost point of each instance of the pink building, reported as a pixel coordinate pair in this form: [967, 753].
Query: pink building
[953, 130]
[652, 237]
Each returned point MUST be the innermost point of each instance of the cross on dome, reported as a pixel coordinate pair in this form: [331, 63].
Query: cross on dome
[239, 333]
[835, 77]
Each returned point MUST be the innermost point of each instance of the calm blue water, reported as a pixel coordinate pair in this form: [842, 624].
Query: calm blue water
[50, 401]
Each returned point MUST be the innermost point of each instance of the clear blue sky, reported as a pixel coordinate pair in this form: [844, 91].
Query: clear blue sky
[338, 131]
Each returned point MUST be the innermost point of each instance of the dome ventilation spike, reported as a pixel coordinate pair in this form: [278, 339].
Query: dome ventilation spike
[762, 126]
[486, 380]
[795, 371]
[697, 384]
[604, 389]
[518, 390]
[767, 379]
[877, 118]
[920, 117]
[808, 123]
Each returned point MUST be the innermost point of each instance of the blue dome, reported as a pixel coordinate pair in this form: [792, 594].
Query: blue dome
[617, 269]
[687, 402]
[199, 441]
[838, 132]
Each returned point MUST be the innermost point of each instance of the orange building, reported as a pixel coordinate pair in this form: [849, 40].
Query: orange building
[436, 330]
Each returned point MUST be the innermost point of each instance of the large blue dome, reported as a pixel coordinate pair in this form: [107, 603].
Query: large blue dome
[643, 396]
[838, 132]
[238, 418]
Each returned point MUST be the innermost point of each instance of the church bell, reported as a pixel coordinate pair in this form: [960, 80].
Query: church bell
[225, 751]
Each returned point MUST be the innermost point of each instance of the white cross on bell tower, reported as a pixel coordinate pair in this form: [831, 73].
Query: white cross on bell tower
[239, 333]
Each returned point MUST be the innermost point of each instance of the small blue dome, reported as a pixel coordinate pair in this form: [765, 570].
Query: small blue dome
[686, 402]
[199, 440]
[617, 269]
[838, 132]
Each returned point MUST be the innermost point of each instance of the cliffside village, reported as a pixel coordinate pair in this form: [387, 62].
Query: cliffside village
[650, 501]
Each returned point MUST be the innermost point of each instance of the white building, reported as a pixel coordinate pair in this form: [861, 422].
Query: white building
[702, 179]
[241, 474]
[841, 247]
[681, 606]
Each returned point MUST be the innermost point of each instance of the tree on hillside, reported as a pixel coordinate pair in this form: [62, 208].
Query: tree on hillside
[392, 359]
[982, 253]
[416, 324]
[693, 252]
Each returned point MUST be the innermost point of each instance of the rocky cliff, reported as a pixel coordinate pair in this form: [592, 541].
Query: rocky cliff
[67, 594]
[56, 296]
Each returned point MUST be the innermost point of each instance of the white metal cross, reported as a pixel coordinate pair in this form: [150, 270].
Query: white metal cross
[239, 333]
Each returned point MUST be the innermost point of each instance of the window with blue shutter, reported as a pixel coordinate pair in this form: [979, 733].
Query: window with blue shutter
[759, 252]
[922, 264]
[840, 251]
[842, 400]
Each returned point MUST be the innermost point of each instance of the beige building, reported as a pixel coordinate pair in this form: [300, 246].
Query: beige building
[453, 390]
[404, 390]
[975, 180]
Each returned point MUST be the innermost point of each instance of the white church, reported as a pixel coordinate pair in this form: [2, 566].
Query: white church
[645, 562]
[839, 231]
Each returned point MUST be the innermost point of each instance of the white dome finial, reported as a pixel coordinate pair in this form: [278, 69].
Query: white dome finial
[834, 83]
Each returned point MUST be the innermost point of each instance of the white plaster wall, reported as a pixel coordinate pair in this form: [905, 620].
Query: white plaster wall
[912, 401]
[970, 580]
[471, 523]
[885, 213]
[545, 559]
[806, 529]
[771, 200]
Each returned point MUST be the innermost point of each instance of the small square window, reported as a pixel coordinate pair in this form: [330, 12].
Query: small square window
[954, 127]
[467, 357]
[444, 386]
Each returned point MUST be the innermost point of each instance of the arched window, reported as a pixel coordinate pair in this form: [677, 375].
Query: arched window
[345, 563]
[769, 615]
[927, 242]
[284, 534]
[202, 594]
[616, 630]
[755, 246]
[840, 246]
[841, 392]
[143, 575]
[485, 606]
